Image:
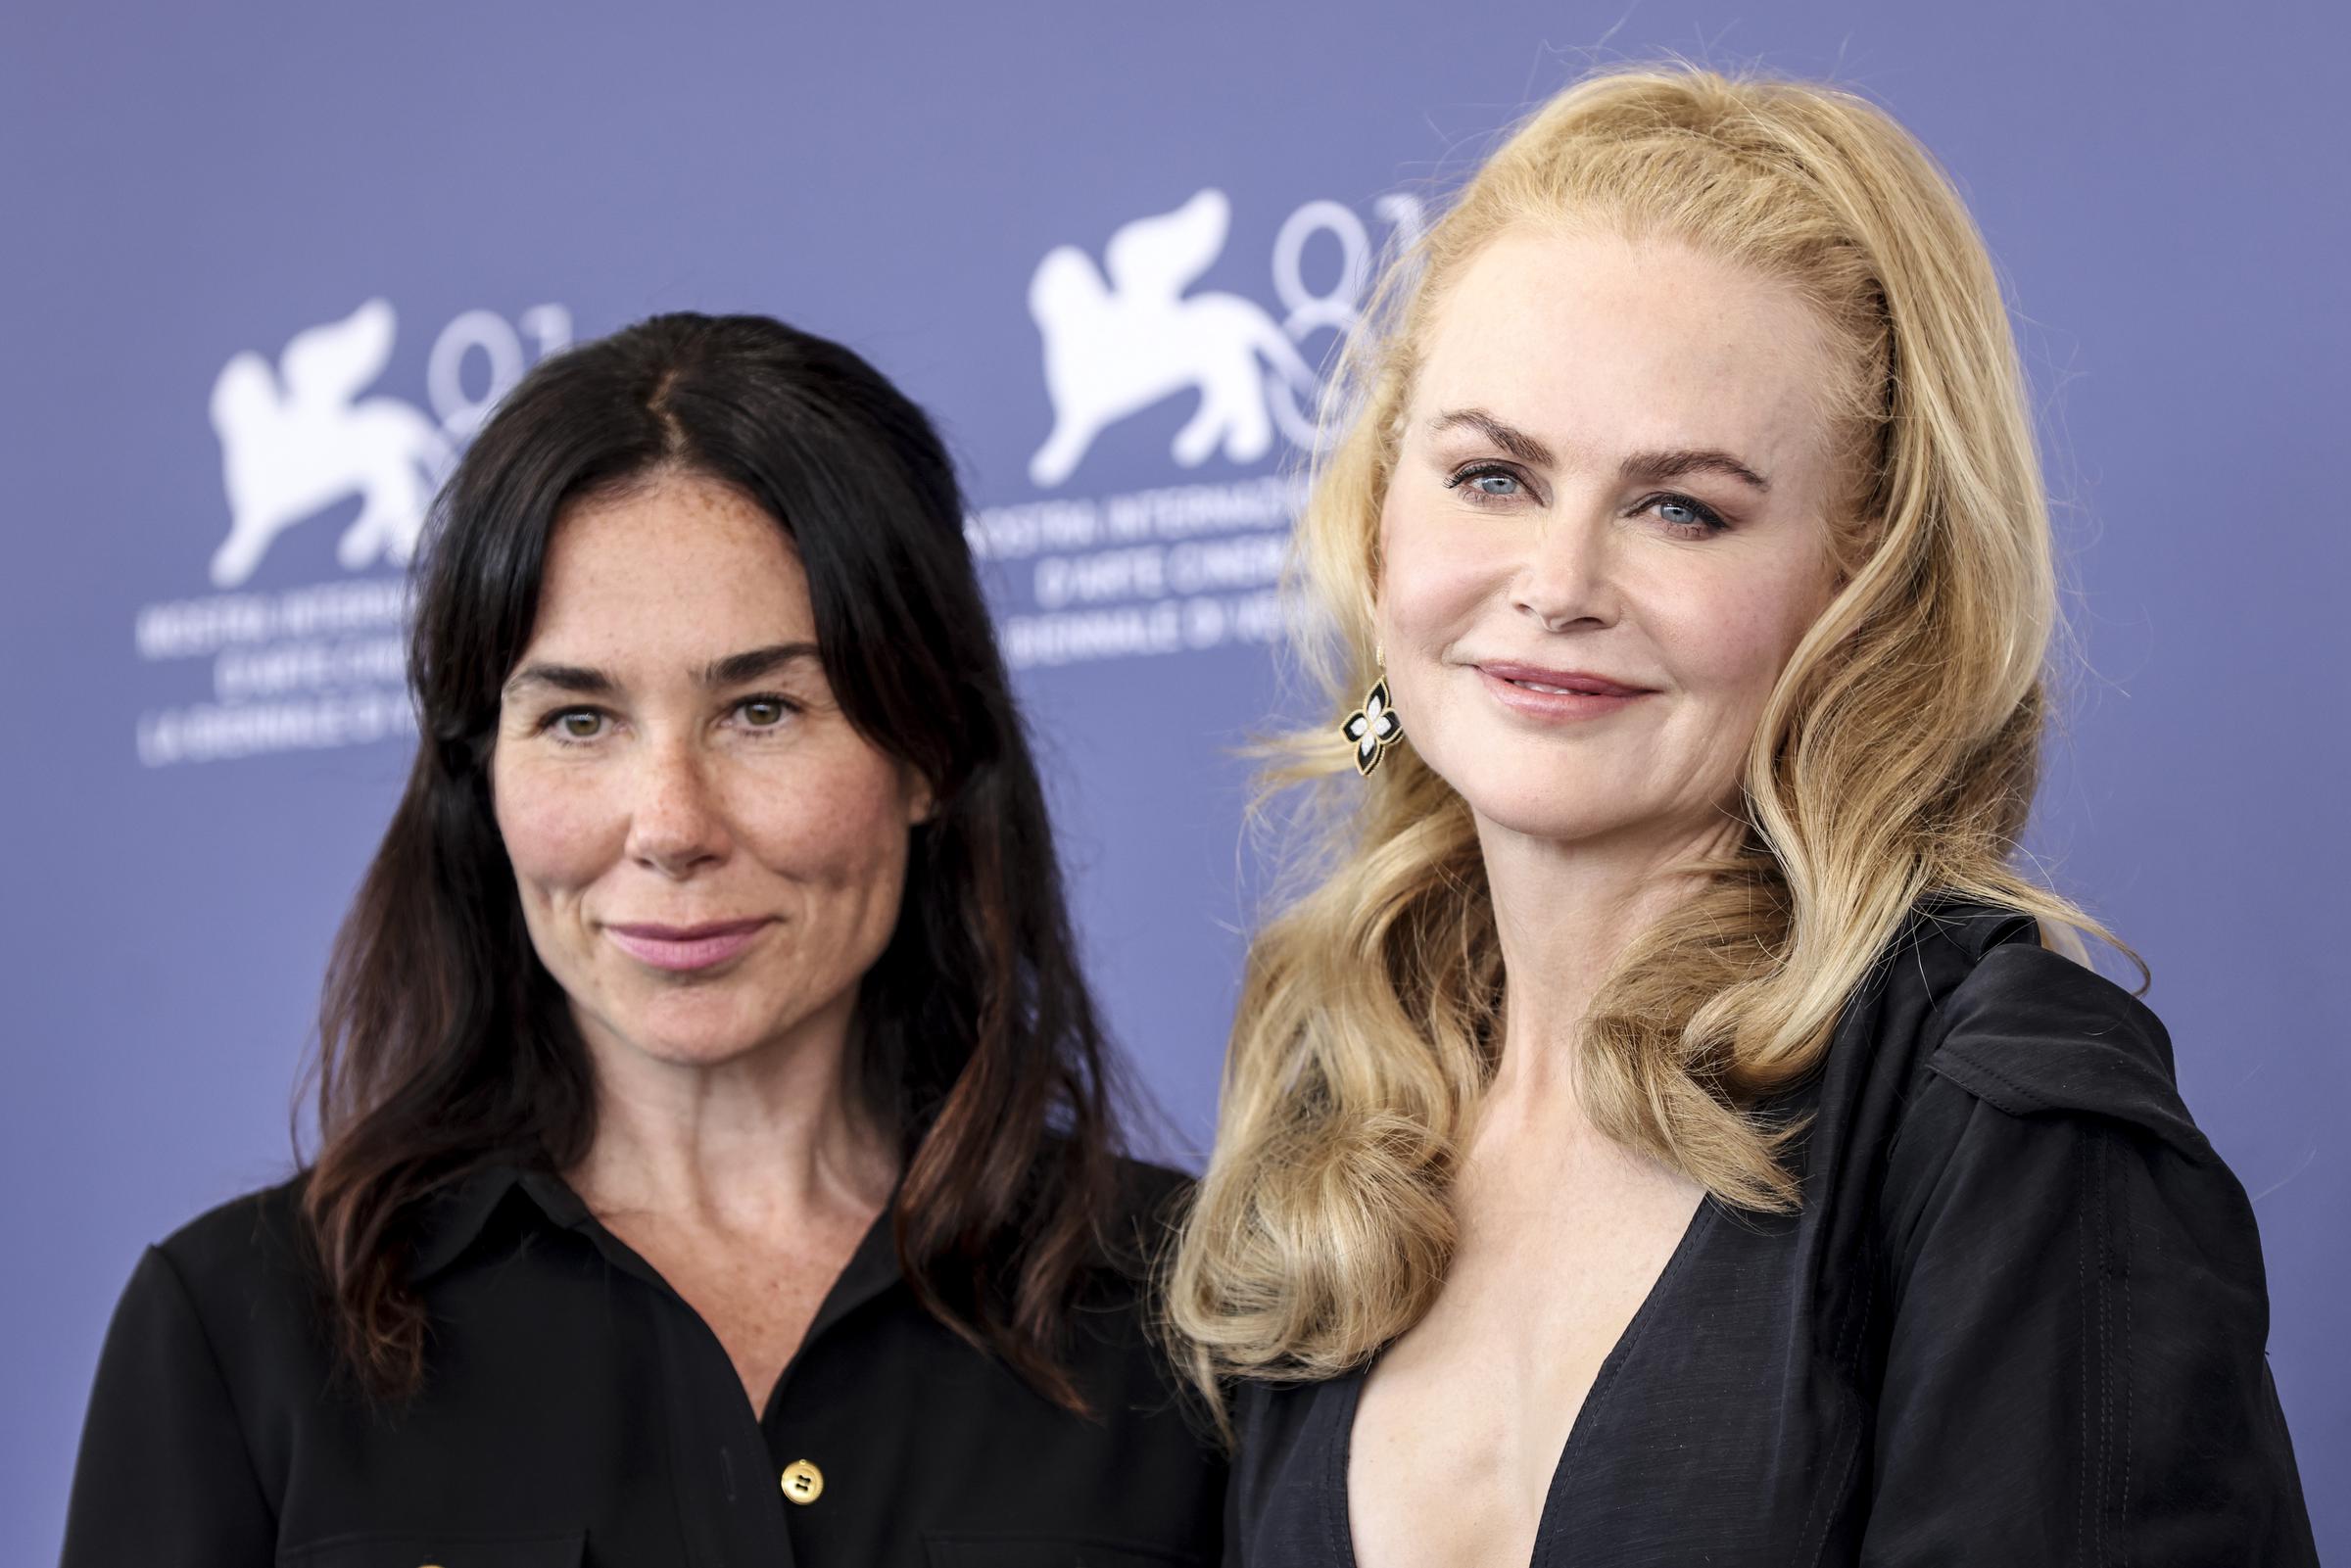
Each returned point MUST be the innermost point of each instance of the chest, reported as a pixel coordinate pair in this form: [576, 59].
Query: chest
[573, 1394]
[756, 1294]
[1477, 1402]
[1730, 1425]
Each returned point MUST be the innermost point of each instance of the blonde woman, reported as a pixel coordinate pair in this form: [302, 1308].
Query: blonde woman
[1664, 1133]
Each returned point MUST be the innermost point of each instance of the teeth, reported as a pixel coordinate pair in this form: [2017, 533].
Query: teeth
[1552, 690]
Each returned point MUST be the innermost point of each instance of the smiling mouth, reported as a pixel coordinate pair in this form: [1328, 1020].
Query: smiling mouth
[1559, 683]
[685, 948]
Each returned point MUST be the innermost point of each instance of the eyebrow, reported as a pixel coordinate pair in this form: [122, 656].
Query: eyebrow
[732, 669]
[1509, 438]
[1652, 467]
[1642, 467]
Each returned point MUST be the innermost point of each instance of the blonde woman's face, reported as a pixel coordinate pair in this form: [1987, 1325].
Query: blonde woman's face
[1607, 531]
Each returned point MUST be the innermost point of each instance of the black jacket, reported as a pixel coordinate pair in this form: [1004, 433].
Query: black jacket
[2019, 1319]
[577, 1410]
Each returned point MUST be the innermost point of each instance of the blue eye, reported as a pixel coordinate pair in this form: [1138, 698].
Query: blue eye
[1489, 480]
[1682, 512]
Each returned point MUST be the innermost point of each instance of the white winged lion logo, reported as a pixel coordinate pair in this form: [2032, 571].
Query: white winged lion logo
[294, 441]
[1116, 345]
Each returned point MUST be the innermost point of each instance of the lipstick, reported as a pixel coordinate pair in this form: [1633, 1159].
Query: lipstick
[686, 947]
[1558, 696]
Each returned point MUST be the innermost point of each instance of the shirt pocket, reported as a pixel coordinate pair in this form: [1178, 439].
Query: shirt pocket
[969, 1551]
[432, 1549]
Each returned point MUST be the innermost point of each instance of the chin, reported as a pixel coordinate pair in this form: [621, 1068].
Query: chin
[1572, 807]
[1538, 798]
[689, 1031]
[1545, 817]
[696, 1051]
[684, 1048]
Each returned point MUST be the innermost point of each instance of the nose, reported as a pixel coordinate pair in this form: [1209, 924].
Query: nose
[675, 824]
[1567, 578]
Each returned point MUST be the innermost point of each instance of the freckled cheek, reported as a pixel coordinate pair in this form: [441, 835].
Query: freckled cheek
[839, 834]
[562, 833]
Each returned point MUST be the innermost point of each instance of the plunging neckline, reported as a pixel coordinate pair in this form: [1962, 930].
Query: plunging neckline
[1603, 1381]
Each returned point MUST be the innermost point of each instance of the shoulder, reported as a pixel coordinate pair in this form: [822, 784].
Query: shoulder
[218, 1332]
[1112, 1330]
[2033, 1033]
[243, 1267]
[1967, 1017]
[2046, 1096]
[1151, 1191]
[1146, 1207]
[1966, 996]
[262, 1229]
[2069, 1265]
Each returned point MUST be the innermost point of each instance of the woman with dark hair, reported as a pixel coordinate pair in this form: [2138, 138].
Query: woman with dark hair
[718, 1144]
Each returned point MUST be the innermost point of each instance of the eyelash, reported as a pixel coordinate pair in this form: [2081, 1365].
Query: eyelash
[1709, 521]
[549, 725]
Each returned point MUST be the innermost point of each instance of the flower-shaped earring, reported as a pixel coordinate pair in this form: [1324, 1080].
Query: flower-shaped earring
[1373, 728]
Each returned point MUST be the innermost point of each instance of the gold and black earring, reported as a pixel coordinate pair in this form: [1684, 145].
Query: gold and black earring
[1374, 727]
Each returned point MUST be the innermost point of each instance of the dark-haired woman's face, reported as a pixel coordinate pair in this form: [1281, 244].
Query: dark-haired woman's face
[708, 855]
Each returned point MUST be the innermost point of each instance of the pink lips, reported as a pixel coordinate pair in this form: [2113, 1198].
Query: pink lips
[1555, 695]
[686, 947]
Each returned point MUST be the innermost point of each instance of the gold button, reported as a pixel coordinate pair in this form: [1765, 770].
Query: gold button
[803, 1482]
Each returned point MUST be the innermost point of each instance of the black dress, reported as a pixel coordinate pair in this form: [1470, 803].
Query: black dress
[577, 1410]
[2019, 1319]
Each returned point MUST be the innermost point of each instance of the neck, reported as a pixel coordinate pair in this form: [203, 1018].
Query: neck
[759, 1141]
[1565, 913]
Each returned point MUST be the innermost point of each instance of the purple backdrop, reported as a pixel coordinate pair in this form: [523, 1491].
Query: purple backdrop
[264, 275]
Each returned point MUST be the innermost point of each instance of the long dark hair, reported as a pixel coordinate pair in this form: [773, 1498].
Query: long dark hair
[445, 1046]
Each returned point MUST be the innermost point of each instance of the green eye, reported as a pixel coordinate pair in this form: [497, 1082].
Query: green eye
[581, 725]
[763, 713]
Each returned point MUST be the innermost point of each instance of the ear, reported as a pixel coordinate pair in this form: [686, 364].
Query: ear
[922, 805]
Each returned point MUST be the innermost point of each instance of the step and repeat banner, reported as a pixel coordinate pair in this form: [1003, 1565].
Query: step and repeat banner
[269, 269]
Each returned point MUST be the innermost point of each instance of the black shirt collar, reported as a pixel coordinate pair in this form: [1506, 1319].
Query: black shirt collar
[457, 1218]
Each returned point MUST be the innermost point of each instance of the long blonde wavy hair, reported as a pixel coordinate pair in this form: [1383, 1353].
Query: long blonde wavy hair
[1897, 756]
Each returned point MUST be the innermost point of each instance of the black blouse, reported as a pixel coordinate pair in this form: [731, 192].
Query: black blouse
[577, 1410]
[2019, 1318]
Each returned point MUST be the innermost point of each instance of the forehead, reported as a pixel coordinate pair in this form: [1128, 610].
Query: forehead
[1600, 344]
[678, 564]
